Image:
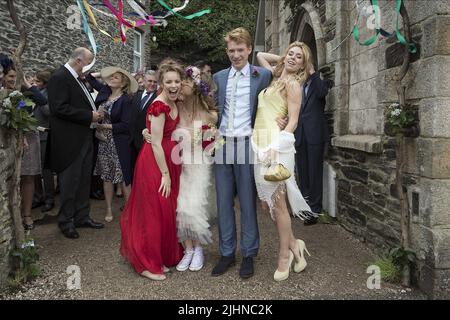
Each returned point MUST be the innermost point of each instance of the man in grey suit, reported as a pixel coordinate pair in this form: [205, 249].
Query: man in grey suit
[237, 100]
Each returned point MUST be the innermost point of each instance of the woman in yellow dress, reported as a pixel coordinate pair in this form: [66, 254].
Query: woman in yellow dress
[273, 145]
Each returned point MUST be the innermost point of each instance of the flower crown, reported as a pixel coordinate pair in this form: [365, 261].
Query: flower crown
[201, 85]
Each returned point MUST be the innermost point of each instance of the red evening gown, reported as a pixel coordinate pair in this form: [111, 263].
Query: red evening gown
[148, 222]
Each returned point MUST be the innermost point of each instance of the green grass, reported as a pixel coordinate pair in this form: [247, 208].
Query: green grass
[389, 271]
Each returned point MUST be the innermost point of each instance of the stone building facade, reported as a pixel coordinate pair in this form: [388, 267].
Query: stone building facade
[54, 30]
[359, 172]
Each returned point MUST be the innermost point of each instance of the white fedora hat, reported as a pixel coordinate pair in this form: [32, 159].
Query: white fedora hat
[108, 71]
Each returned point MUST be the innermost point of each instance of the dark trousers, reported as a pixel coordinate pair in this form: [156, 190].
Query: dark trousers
[309, 164]
[96, 181]
[45, 186]
[134, 155]
[74, 183]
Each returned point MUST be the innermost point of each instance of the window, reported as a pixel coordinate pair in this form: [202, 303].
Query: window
[137, 51]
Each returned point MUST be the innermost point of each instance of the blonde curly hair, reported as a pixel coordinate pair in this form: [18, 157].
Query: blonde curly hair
[303, 73]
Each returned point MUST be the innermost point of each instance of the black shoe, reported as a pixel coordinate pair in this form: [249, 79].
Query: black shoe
[223, 265]
[90, 224]
[37, 204]
[47, 207]
[246, 270]
[97, 195]
[28, 227]
[70, 233]
[310, 221]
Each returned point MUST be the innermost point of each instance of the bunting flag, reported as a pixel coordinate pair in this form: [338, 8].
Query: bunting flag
[189, 17]
[125, 24]
[88, 31]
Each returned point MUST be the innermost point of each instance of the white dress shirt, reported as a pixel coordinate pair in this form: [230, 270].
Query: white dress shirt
[83, 87]
[242, 122]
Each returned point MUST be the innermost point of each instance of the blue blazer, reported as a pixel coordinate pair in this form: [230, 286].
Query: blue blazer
[312, 123]
[120, 119]
[259, 79]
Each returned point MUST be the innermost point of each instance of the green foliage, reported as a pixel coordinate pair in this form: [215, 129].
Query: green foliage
[399, 117]
[25, 267]
[402, 257]
[389, 271]
[14, 112]
[202, 38]
[392, 264]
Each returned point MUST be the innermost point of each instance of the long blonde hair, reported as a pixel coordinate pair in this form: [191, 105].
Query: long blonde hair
[303, 73]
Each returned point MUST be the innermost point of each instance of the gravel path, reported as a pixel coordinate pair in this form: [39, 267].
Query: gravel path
[336, 269]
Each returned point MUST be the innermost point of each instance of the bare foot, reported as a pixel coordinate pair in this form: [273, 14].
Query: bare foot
[156, 277]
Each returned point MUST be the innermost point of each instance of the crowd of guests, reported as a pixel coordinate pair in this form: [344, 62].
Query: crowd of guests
[139, 134]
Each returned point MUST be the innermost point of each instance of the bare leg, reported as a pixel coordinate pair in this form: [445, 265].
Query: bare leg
[283, 223]
[27, 191]
[188, 245]
[108, 188]
[126, 190]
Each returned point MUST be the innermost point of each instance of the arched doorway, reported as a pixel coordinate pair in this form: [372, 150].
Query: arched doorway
[307, 28]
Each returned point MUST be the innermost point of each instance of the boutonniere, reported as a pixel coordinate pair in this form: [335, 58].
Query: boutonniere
[255, 72]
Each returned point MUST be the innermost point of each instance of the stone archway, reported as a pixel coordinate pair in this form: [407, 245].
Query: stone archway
[308, 28]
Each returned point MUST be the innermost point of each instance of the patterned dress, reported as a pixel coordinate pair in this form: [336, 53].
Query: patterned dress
[108, 164]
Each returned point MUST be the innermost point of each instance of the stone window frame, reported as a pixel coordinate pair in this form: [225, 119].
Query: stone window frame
[138, 37]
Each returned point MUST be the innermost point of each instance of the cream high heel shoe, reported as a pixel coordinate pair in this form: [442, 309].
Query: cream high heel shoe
[109, 216]
[283, 275]
[301, 265]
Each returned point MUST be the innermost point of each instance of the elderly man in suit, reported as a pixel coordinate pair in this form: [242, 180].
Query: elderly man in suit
[141, 101]
[237, 98]
[72, 117]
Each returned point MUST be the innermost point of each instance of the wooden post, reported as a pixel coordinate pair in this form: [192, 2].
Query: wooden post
[400, 150]
[15, 197]
[17, 54]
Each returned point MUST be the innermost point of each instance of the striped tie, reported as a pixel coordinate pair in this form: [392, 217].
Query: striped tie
[236, 78]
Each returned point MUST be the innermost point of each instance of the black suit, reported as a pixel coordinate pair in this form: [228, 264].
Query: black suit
[71, 146]
[310, 139]
[137, 122]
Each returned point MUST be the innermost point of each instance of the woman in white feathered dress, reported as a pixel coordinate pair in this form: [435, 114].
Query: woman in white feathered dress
[196, 203]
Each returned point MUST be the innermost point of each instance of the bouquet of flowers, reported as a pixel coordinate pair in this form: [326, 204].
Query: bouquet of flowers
[15, 112]
[207, 135]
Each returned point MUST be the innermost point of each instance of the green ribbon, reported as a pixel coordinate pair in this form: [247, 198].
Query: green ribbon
[374, 38]
[398, 4]
[411, 46]
[189, 17]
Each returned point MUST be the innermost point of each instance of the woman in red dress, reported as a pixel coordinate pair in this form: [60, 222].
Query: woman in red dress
[148, 224]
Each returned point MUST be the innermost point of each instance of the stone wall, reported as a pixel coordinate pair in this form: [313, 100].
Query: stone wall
[361, 155]
[7, 165]
[50, 41]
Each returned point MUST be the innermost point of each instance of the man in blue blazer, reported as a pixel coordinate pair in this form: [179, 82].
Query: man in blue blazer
[310, 139]
[237, 100]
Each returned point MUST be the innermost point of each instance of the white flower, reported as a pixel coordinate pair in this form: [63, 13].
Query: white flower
[15, 94]
[396, 112]
[7, 103]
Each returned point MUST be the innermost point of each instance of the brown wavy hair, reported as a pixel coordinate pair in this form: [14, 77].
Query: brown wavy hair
[168, 65]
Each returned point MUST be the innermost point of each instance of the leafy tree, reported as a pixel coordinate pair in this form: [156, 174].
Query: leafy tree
[202, 38]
